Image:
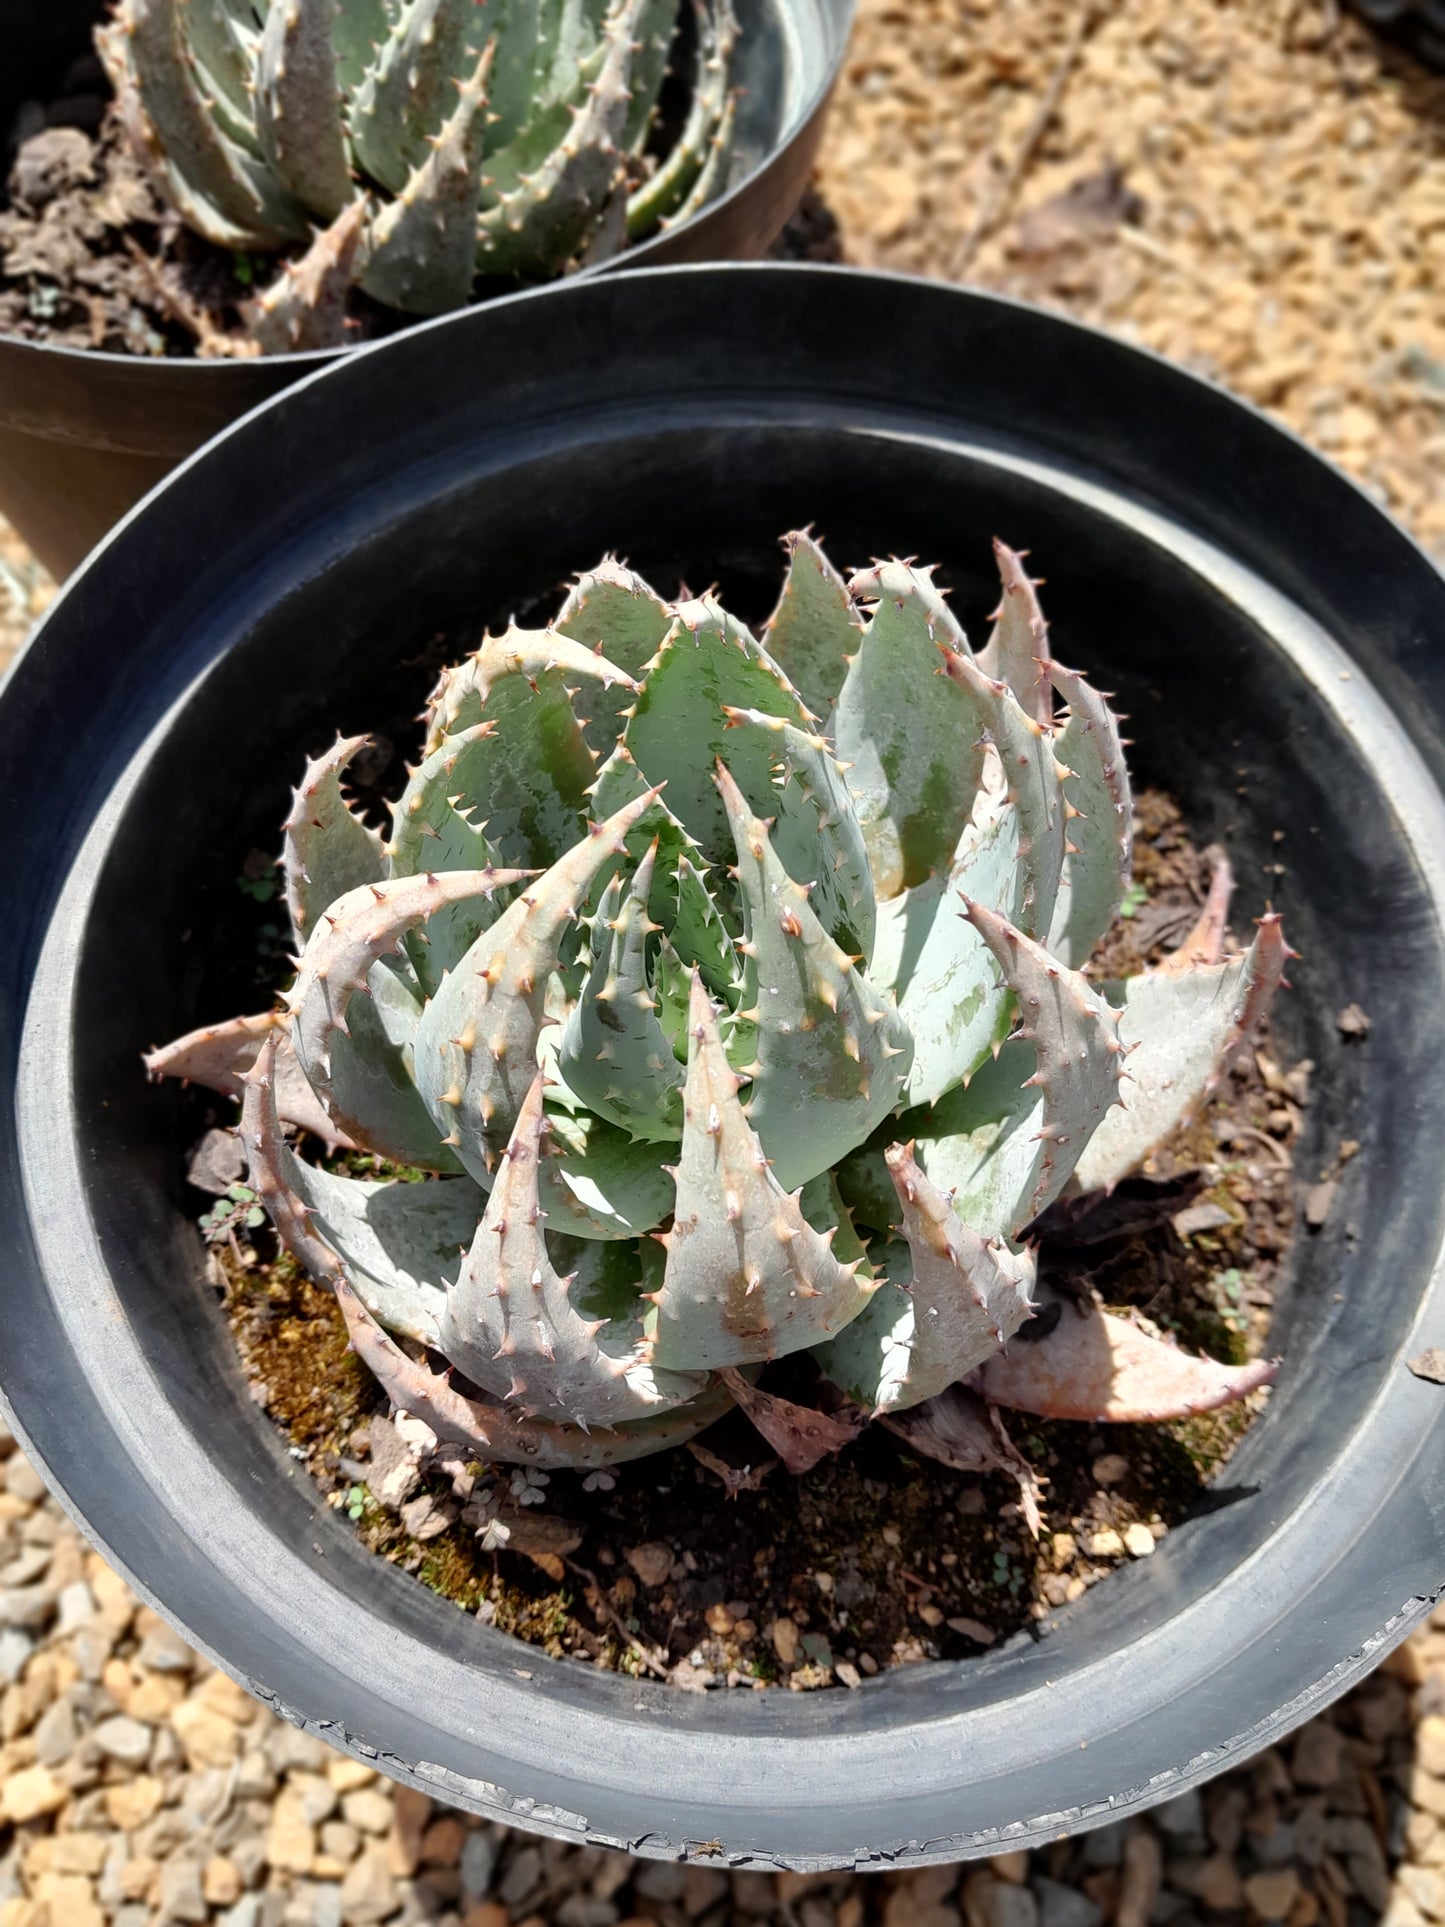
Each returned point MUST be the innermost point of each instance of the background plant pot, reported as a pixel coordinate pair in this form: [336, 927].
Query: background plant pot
[1266, 628]
[83, 436]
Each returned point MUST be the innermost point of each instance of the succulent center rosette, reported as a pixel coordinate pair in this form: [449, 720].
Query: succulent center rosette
[733, 990]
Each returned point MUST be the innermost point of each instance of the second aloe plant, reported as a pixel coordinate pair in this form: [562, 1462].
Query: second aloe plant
[421, 142]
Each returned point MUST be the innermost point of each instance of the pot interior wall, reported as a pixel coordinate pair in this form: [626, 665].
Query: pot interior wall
[1220, 714]
[40, 42]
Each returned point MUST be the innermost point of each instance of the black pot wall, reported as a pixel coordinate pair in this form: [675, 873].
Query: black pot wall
[84, 436]
[1272, 637]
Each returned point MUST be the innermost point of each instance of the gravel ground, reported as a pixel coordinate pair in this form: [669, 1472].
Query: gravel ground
[1253, 187]
[139, 1787]
[1256, 188]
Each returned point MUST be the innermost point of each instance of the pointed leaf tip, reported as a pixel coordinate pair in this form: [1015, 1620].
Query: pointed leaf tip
[746, 1275]
[1093, 1366]
[510, 1313]
[801, 1435]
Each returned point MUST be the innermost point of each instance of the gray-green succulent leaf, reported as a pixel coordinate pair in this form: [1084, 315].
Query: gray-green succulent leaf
[735, 990]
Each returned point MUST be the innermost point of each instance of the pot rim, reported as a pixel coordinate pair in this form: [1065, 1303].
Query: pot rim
[841, 17]
[759, 1744]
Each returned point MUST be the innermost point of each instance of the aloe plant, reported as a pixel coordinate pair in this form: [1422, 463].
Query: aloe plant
[733, 989]
[415, 144]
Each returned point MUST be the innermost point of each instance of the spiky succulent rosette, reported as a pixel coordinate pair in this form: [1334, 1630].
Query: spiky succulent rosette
[733, 990]
[417, 143]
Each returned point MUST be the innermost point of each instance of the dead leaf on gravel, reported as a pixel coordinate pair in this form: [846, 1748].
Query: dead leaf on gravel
[1089, 210]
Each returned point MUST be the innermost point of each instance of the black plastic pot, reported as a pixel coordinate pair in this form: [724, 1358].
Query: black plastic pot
[1275, 640]
[1417, 24]
[83, 436]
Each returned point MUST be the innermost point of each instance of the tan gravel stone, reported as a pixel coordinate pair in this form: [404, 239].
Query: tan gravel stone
[55, 1734]
[346, 1775]
[369, 1892]
[118, 1678]
[1405, 1664]
[1401, 1912]
[315, 1793]
[1426, 1887]
[138, 1876]
[1012, 1866]
[1271, 1894]
[37, 1856]
[340, 1841]
[784, 1635]
[69, 1899]
[1217, 1883]
[154, 1698]
[368, 1809]
[928, 1885]
[109, 1588]
[1430, 1744]
[131, 1803]
[1427, 1792]
[702, 1888]
[1139, 1883]
[209, 1738]
[1420, 1830]
[441, 1844]
[291, 1839]
[411, 1810]
[22, 1481]
[256, 1777]
[901, 1910]
[181, 1896]
[23, 1913]
[221, 1693]
[125, 1739]
[79, 1853]
[30, 1793]
[491, 1913]
[1315, 1759]
[990, 1902]
[162, 1650]
[1138, 1540]
[221, 1881]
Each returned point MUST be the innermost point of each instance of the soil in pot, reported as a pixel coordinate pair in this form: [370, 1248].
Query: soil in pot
[711, 1565]
[91, 257]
